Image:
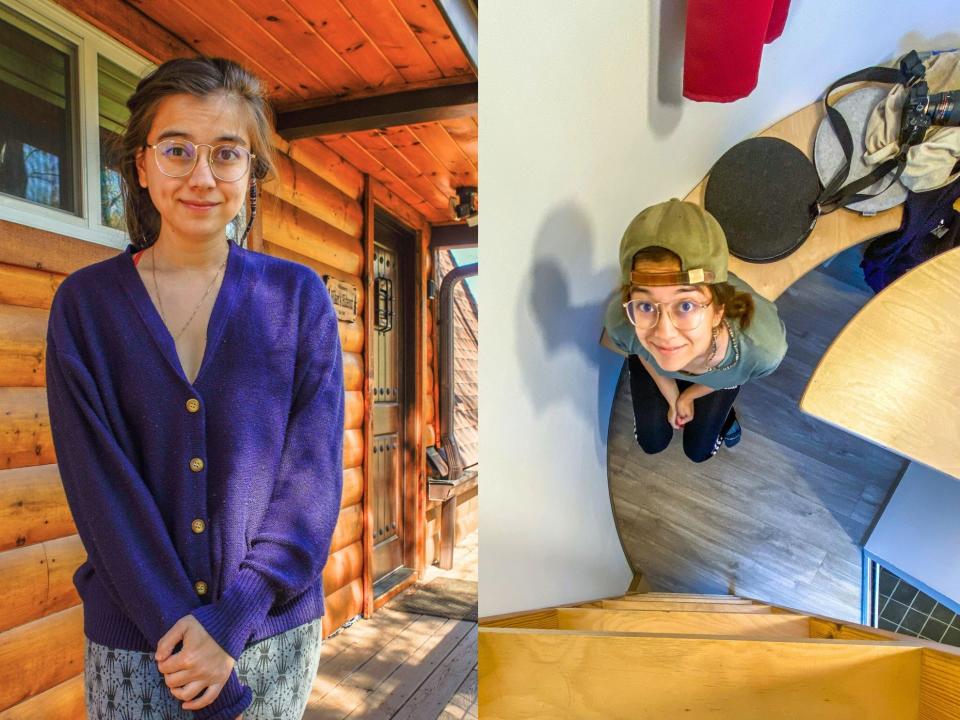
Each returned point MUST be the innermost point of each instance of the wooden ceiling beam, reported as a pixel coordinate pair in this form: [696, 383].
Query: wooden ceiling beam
[379, 111]
[461, 17]
[448, 237]
[132, 28]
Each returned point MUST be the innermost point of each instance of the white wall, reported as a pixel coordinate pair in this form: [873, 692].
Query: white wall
[583, 125]
[918, 532]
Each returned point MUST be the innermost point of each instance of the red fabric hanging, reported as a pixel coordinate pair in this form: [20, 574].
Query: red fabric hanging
[724, 41]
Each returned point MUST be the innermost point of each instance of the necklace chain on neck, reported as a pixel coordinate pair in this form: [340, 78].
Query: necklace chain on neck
[153, 264]
[736, 350]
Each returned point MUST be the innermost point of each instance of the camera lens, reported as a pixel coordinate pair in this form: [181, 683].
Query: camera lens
[944, 108]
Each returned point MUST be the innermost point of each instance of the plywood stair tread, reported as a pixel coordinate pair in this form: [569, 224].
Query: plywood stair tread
[680, 622]
[685, 605]
[598, 675]
[661, 597]
[680, 596]
[701, 656]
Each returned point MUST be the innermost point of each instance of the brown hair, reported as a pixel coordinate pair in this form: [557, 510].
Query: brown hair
[736, 305]
[198, 76]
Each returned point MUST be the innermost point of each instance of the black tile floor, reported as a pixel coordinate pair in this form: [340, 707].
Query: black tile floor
[904, 609]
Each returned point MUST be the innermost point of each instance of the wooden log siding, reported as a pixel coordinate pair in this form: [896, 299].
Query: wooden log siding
[40, 655]
[297, 230]
[323, 162]
[312, 215]
[25, 438]
[353, 409]
[342, 567]
[342, 605]
[22, 336]
[64, 700]
[26, 287]
[298, 186]
[33, 507]
[352, 487]
[38, 580]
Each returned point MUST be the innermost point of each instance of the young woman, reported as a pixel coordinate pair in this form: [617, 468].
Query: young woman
[196, 406]
[692, 332]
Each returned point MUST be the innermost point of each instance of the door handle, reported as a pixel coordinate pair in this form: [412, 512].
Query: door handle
[383, 290]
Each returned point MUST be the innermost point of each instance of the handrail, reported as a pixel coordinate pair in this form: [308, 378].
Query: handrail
[448, 439]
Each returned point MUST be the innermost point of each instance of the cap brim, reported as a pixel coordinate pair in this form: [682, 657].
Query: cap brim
[690, 277]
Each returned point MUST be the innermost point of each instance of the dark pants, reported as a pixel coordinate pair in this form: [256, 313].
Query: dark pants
[701, 436]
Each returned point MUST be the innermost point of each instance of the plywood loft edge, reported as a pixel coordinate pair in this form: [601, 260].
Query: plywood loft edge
[890, 375]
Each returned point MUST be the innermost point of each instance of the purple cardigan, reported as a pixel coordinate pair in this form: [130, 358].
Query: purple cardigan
[216, 499]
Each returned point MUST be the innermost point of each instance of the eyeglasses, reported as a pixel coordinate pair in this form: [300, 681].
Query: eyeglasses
[177, 158]
[684, 314]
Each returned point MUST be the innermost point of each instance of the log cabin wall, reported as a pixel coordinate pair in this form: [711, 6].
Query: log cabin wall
[312, 214]
[41, 619]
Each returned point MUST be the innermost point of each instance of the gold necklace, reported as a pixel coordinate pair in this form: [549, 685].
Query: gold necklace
[153, 265]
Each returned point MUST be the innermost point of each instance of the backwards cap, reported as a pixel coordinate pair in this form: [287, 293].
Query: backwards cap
[683, 228]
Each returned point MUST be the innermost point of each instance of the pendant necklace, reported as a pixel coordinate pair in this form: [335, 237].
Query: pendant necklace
[153, 265]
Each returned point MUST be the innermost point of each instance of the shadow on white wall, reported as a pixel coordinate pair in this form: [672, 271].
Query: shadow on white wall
[569, 329]
[666, 65]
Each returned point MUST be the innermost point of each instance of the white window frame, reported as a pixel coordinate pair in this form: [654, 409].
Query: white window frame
[89, 42]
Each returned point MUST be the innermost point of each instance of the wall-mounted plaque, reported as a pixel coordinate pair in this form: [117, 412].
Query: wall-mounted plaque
[344, 296]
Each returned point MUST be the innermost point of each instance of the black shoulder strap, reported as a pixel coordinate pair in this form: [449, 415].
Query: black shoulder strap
[835, 194]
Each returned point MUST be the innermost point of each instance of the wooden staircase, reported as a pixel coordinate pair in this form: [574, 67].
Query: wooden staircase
[664, 655]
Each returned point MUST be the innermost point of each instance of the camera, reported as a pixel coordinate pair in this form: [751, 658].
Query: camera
[921, 110]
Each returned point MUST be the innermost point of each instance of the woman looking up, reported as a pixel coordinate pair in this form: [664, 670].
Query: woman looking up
[693, 333]
[196, 404]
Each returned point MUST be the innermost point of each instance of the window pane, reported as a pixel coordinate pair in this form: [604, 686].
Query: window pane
[115, 86]
[37, 147]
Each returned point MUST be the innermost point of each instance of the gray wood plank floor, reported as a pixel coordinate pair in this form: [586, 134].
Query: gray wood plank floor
[781, 516]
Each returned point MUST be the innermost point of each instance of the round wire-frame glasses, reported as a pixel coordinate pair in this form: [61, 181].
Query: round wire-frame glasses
[682, 319]
[177, 158]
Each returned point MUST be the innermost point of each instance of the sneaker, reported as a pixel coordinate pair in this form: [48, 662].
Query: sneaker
[732, 437]
[731, 430]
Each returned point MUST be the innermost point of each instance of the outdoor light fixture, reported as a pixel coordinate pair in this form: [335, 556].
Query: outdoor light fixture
[464, 206]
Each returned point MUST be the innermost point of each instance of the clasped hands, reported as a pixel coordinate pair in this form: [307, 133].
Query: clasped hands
[201, 663]
[680, 409]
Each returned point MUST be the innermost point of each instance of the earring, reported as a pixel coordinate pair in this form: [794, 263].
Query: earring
[253, 211]
[239, 222]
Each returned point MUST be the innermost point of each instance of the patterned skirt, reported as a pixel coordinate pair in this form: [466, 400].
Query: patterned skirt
[126, 684]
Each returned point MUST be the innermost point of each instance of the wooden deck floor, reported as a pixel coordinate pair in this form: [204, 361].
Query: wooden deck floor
[402, 665]
[781, 516]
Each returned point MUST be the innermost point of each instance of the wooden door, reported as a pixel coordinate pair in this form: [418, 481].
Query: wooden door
[390, 398]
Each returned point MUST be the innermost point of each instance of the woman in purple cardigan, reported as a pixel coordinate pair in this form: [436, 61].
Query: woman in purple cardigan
[196, 405]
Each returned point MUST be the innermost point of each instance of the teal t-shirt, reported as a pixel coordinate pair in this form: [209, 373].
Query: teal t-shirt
[762, 345]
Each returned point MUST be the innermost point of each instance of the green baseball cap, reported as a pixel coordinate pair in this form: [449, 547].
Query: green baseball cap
[684, 228]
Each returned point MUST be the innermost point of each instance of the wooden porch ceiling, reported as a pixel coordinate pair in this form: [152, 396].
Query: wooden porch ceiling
[323, 52]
